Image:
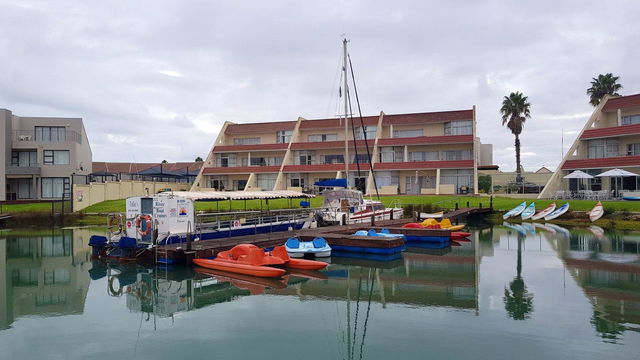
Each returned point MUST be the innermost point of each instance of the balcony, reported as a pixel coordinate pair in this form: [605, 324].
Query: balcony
[22, 170]
[252, 147]
[421, 165]
[30, 136]
[427, 140]
[600, 163]
[240, 170]
[613, 131]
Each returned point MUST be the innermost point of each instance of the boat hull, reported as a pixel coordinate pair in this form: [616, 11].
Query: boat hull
[597, 212]
[245, 269]
[542, 213]
[558, 212]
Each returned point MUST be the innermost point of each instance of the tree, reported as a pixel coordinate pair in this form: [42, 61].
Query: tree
[199, 159]
[515, 111]
[165, 162]
[484, 183]
[606, 84]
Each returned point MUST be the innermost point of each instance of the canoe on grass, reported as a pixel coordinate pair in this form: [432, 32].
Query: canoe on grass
[558, 212]
[597, 212]
[529, 211]
[515, 211]
[546, 211]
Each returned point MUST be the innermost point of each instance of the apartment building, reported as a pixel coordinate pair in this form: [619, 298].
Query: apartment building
[421, 153]
[39, 156]
[610, 139]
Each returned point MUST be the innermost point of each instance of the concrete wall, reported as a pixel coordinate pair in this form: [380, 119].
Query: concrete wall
[5, 149]
[87, 195]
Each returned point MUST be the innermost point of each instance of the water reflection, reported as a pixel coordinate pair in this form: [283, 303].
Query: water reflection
[517, 300]
[43, 273]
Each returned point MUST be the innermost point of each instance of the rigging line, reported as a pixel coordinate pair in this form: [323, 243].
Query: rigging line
[355, 89]
[334, 85]
[366, 319]
[353, 131]
[355, 321]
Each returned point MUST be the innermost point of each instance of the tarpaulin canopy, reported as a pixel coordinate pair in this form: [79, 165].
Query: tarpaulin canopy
[332, 182]
[238, 195]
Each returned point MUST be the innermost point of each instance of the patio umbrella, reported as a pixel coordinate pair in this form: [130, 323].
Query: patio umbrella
[616, 173]
[578, 175]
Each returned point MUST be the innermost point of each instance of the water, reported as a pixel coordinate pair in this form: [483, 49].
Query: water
[504, 295]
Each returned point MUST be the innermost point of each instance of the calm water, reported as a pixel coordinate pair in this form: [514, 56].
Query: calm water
[519, 293]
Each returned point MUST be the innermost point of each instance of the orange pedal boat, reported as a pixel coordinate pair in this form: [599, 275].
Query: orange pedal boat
[280, 252]
[244, 259]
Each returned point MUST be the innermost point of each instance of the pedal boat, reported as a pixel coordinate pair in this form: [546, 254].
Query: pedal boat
[246, 259]
[280, 252]
[318, 247]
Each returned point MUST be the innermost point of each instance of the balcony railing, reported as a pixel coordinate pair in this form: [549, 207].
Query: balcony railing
[23, 170]
[30, 135]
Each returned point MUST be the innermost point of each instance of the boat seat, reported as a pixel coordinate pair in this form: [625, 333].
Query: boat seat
[319, 242]
[385, 231]
[293, 243]
[372, 232]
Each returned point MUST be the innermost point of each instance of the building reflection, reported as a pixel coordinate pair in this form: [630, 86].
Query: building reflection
[43, 273]
[607, 268]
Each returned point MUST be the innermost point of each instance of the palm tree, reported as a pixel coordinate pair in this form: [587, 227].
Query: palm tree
[601, 86]
[517, 300]
[515, 111]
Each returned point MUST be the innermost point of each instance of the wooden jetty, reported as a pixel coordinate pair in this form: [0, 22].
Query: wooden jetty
[464, 212]
[335, 235]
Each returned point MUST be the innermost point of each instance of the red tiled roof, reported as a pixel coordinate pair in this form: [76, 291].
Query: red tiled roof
[610, 162]
[328, 144]
[622, 102]
[420, 140]
[257, 128]
[132, 168]
[429, 117]
[417, 165]
[253, 147]
[240, 170]
[611, 131]
[336, 123]
[324, 167]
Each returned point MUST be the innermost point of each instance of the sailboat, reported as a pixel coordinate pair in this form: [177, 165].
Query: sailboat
[348, 206]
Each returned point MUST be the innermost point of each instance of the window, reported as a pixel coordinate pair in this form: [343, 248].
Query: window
[284, 136]
[633, 149]
[239, 185]
[267, 181]
[56, 157]
[369, 130]
[333, 159]
[266, 161]
[24, 158]
[55, 187]
[602, 148]
[361, 158]
[304, 157]
[296, 180]
[456, 155]
[464, 127]
[51, 133]
[322, 137]
[387, 178]
[458, 178]
[424, 156]
[218, 182]
[407, 133]
[392, 154]
[226, 160]
[246, 141]
[630, 120]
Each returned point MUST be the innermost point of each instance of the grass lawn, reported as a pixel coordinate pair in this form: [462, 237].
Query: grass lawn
[444, 202]
[27, 207]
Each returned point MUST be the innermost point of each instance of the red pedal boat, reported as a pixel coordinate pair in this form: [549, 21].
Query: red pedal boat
[244, 259]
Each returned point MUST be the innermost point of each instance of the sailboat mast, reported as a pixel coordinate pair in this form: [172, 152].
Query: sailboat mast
[346, 112]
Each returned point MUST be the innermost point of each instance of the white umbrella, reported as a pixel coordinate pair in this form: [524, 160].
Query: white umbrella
[578, 175]
[617, 173]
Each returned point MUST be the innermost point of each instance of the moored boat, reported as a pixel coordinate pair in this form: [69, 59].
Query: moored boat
[597, 212]
[239, 268]
[558, 212]
[529, 211]
[317, 247]
[345, 206]
[436, 215]
[515, 211]
[544, 212]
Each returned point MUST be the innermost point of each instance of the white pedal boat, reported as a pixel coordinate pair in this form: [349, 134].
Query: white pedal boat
[317, 247]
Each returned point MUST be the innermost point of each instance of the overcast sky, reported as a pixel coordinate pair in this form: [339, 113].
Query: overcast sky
[155, 80]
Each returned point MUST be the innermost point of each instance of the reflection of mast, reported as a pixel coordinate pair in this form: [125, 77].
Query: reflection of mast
[352, 337]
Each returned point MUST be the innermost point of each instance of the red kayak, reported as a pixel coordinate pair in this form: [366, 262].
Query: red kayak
[459, 234]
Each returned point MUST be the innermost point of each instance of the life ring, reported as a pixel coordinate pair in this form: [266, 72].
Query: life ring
[112, 291]
[115, 221]
[147, 219]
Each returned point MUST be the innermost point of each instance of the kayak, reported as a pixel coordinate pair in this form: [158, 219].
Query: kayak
[631, 198]
[459, 234]
[546, 211]
[529, 211]
[515, 211]
[597, 212]
[238, 268]
[558, 212]
[436, 215]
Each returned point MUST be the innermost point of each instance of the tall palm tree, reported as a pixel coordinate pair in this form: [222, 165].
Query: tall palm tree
[515, 111]
[601, 86]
